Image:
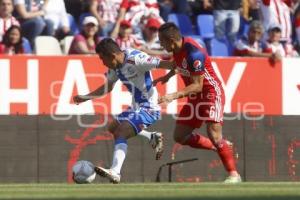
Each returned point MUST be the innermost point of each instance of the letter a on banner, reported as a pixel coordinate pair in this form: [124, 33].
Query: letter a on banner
[74, 75]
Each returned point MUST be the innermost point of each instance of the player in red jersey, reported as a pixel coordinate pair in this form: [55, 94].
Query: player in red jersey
[205, 97]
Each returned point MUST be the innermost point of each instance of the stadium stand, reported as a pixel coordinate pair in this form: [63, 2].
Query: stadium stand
[66, 44]
[51, 43]
[205, 26]
[219, 47]
[183, 22]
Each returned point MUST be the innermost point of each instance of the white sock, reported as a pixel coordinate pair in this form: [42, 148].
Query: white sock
[120, 152]
[146, 134]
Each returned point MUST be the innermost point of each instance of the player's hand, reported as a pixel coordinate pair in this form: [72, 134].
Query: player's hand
[276, 56]
[165, 99]
[162, 79]
[79, 99]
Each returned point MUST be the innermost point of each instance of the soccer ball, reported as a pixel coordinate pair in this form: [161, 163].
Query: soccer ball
[83, 172]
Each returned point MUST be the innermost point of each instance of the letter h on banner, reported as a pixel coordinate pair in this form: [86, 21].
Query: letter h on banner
[30, 95]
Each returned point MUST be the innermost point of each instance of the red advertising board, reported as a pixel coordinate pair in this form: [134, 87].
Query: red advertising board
[45, 85]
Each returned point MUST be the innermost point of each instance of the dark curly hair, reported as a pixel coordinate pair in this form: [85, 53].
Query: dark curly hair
[19, 46]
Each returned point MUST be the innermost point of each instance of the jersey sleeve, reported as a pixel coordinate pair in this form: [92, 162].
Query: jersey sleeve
[240, 48]
[266, 48]
[196, 61]
[266, 2]
[146, 62]
[111, 76]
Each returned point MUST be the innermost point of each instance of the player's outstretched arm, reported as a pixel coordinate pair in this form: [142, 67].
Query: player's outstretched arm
[164, 78]
[164, 64]
[192, 89]
[102, 90]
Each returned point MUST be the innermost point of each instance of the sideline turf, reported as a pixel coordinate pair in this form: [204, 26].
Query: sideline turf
[151, 191]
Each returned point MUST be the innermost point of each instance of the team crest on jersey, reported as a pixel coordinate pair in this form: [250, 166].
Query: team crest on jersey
[184, 63]
[141, 56]
[197, 64]
[150, 59]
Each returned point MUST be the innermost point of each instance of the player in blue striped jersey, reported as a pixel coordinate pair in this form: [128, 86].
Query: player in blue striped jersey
[132, 67]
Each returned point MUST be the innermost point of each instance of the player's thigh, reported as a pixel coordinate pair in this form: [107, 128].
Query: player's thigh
[214, 131]
[186, 122]
[125, 130]
[181, 132]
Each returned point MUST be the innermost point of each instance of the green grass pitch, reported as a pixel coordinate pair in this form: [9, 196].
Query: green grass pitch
[154, 191]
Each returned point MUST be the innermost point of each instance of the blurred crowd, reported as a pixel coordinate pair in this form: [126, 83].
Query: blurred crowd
[260, 28]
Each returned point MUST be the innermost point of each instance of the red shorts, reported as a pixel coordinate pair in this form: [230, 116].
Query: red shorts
[197, 111]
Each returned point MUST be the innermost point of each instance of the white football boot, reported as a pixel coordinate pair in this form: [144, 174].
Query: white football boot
[157, 143]
[108, 173]
[233, 179]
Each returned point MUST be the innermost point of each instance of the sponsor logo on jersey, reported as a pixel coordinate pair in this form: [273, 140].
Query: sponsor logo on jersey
[197, 64]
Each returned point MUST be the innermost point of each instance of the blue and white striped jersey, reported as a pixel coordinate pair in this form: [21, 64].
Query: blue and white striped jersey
[136, 76]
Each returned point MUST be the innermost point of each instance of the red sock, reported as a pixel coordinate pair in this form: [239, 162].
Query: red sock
[199, 142]
[226, 155]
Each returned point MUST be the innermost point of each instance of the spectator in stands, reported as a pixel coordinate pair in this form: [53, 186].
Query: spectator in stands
[201, 7]
[176, 6]
[181, 6]
[57, 14]
[86, 41]
[6, 18]
[12, 41]
[165, 8]
[277, 12]
[136, 11]
[76, 7]
[149, 40]
[31, 15]
[125, 38]
[227, 18]
[273, 42]
[252, 46]
[253, 10]
[297, 26]
[106, 12]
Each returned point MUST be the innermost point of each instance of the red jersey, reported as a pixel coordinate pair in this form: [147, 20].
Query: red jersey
[193, 60]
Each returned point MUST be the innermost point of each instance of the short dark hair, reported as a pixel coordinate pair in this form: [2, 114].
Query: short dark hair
[107, 46]
[170, 30]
